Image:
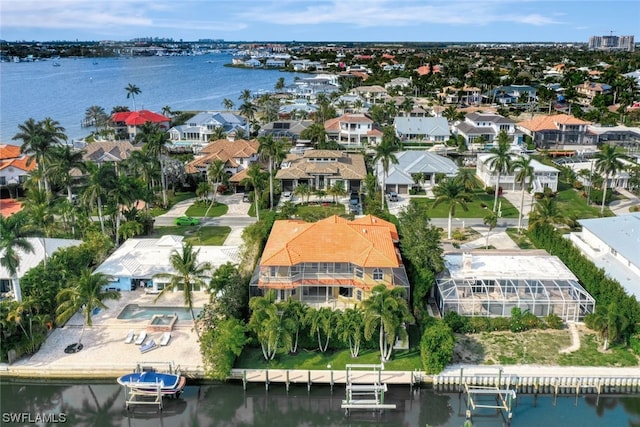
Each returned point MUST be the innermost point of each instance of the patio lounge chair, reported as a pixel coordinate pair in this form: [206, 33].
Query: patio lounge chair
[148, 346]
[165, 338]
[141, 338]
[130, 337]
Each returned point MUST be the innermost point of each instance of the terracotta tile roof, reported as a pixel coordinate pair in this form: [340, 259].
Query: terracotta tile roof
[99, 151]
[225, 150]
[138, 118]
[348, 166]
[8, 151]
[550, 122]
[21, 163]
[333, 239]
[239, 176]
[334, 124]
[9, 207]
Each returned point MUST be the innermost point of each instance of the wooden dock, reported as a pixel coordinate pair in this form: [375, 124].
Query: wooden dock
[329, 377]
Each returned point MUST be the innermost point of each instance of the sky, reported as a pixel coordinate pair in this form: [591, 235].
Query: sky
[319, 20]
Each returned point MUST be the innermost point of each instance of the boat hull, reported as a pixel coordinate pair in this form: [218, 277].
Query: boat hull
[150, 382]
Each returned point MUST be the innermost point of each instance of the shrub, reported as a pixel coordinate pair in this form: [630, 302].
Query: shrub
[635, 208]
[458, 235]
[578, 185]
[553, 321]
[436, 347]
[634, 343]
[456, 322]
[530, 321]
[500, 323]
[478, 324]
[490, 190]
[515, 321]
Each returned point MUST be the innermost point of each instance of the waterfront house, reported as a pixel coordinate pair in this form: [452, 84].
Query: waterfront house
[322, 169]
[288, 130]
[415, 169]
[14, 168]
[108, 151]
[491, 284]
[135, 263]
[486, 126]
[422, 129]
[612, 244]
[543, 175]
[333, 262]
[43, 247]
[468, 95]
[511, 95]
[374, 94]
[353, 131]
[200, 127]
[130, 122]
[237, 156]
[589, 90]
[558, 131]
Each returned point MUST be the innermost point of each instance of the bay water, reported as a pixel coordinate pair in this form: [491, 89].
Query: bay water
[39, 90]
[102, 404]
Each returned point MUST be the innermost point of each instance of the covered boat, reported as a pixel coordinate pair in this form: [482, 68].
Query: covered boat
[168, 384]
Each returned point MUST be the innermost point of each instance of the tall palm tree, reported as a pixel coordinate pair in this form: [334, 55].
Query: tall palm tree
[385, 154]
[500, 162]
[96, 116]
[11, 240]
[386, 311]
[101, 179]
[189, 273]
[351, 328]
[268, 323]
[166, 111]
[245, 95]
[36, 144]
[467, 178]
[155, 141]
[215, 174]
[449, 191]
[273, 150]
[86, 293]
[608, 161]
[303, 191]
[524, 175]
[132, 91]
[295, 311]
[227, 104]
[248, 110]
[64, 160]
[315, 133]
[255, 178]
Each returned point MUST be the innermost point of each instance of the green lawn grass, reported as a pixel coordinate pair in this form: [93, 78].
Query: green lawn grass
[521, 240]
[589, 354]
[573, 205]
[475, 208]
[317, 211]
[196, 235]
[199, 209]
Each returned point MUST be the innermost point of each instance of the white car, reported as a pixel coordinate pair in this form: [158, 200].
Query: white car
[286, 196]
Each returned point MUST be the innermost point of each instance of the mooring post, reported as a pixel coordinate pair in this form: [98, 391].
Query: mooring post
[331, 381]
[244, 379]
[287, 382]
[266, 379]
[499, 377]
[460, 383]
[308, 380]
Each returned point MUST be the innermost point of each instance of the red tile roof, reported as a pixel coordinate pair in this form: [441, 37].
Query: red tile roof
[20, 163]
[9, 207]
[550, 122]
[8, 151]
[138, 118]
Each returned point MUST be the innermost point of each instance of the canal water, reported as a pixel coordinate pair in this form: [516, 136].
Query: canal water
[102, 404]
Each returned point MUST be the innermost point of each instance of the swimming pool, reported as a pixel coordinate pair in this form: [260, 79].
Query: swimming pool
[146, 312]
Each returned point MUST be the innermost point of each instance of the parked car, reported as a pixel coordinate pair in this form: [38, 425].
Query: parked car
[187, 220]
[286, 196]
[354, 199]
[245, 197]
[392, 196]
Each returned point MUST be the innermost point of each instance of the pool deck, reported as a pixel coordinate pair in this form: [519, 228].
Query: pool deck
[105, 354]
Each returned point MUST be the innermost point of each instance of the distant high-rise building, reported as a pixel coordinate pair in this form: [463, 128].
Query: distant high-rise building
[611, 42]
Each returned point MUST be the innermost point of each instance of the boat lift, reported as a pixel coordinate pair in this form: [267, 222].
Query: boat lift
[365, 395]
[134, 396]
[504, 397]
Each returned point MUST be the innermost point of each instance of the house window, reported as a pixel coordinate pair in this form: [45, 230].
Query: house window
[378, 274]
[273, 271]
[359, 272]
[294, 270]
[3, 180]
[359, 295]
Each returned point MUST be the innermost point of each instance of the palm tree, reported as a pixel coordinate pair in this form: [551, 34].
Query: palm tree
[132, 91]
[227, 104]
[450, 113]
[320, 322]
[350, 327]
[524, 174]
[316, 133]
[255, 178]
[272, 149]
[35, 145]
[218, 133]
[546, 211]
[490, 220]
[189, 273]
[500, 162]
[12, 240]
[385, 154]
[269, 325]
[279, 84]
[302, 191]
[101, 179]
[248, 110]
[166, 111]
[449, 191]
[155, 142]
[245, 95]
[295, 311]
[63, 160]
[86, 293]
[96, 116]
[468, 179]
[386, 311]
[608, 161]
[215, 174]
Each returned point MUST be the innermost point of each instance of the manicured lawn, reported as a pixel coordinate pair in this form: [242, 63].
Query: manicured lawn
[179, 196]
[590, 354]
[199, 209]
[572, 204]
[403, 360]
[196, 235]
[475, 208]
[316, 211]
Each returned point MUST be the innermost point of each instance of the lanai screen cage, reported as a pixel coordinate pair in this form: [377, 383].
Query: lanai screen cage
[491, 285]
